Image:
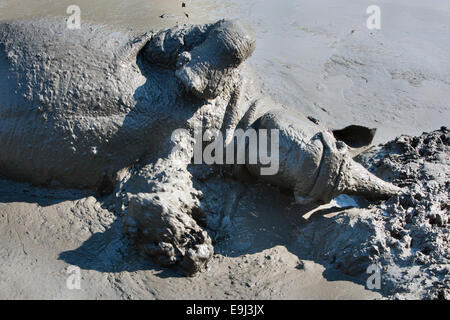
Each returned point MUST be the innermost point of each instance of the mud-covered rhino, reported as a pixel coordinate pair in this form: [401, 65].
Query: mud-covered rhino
[96, 108]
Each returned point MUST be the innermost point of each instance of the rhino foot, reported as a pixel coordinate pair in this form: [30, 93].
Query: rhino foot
[165, 229]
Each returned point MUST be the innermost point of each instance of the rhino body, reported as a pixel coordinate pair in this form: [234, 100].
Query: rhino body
[96, 108]
[76, 106]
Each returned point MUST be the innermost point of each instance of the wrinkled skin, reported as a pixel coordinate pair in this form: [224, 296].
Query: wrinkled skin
[95, 108]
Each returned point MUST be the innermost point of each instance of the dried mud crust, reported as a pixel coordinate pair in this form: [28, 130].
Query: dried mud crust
[407, 236]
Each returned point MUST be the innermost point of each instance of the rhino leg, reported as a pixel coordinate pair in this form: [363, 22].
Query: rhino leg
[164, 47]
[314, 164]
[340, 174]
[205, 57]
[164, 221]
[163, 227]
[209, 68]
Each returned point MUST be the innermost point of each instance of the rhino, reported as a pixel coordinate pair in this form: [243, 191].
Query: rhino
[96, 108]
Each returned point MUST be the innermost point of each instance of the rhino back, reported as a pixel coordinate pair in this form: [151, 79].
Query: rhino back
[71, 110]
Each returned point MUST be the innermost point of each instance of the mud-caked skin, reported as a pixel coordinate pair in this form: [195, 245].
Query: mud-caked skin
[96, 108]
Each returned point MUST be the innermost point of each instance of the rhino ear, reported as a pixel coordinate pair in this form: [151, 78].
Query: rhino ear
[355, 136]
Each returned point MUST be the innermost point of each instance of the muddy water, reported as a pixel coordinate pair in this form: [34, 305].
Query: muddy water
[320, 57]
[135, 14]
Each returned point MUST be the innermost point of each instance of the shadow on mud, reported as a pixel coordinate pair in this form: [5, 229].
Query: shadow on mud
[242, 219]
[112, 252]
[263, 217]
[253, 218]
[24, 192]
